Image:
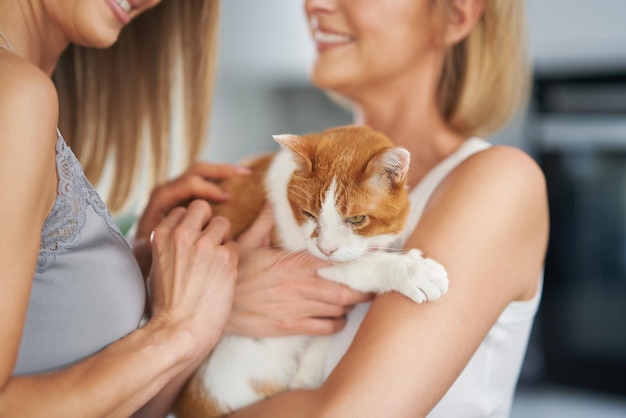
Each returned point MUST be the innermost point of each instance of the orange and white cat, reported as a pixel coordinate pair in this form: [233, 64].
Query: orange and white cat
[341, 196]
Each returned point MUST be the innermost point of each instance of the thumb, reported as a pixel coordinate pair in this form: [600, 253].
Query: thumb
[259, 233]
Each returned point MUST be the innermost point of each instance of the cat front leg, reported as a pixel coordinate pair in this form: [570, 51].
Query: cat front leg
[310, 373]
[420, 279]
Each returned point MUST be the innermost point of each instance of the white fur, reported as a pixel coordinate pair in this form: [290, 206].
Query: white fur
[298, 362]
[276, 182]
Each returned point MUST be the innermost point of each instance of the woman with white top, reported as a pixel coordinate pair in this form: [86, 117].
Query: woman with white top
[437, 76]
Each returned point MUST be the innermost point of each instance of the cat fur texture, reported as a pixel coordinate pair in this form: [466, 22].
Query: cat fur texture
[341, 196]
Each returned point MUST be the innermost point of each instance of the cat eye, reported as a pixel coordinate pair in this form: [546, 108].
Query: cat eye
[308, 214]
[355, 220]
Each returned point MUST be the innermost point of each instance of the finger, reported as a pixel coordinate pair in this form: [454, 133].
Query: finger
[198, 187]
[189, 187]
[335, 293]
[198, 214]
[259, 233]
[218, 171]
[319, 326]
[163, 230]
[180, 191]
[174, 217]
[217, 230]
[318, 309]
[233, 248]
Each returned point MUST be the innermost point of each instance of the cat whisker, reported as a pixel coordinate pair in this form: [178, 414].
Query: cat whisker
[299, 255]
[300, 195]
[300, 192]
[305, 256]
[385, 249]
[279, 258]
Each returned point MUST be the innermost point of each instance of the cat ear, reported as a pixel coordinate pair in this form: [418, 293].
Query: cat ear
[299, 149]
[390, 165]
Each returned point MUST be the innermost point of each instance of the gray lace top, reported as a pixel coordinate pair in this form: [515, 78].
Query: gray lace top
[88, 290]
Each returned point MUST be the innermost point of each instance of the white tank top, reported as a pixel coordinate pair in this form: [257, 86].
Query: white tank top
[486, 386]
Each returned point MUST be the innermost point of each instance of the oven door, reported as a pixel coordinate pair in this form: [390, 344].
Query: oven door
[580, 133]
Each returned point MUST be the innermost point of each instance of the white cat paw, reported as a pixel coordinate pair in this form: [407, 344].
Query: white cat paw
[427, 280]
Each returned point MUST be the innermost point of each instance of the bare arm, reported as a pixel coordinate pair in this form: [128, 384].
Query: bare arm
[487, 224]
[190, 310]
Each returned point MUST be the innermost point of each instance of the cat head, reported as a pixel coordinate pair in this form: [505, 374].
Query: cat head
[347, 191]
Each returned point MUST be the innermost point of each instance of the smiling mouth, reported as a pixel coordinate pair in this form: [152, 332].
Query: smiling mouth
[125, 5]
[329, 37]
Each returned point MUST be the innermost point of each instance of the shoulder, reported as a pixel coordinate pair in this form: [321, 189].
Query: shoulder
[26, 90]
[509, 161]
[28, 117]
[502, 164]
[28, 105]
[497, 174]
[505, 187]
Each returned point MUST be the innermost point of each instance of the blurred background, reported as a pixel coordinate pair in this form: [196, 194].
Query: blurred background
[575, 127]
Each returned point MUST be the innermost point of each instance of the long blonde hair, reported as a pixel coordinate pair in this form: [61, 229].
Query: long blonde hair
[486, 76]
[112, 99]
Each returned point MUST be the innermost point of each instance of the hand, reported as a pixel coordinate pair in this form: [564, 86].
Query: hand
[193, 272]
[196, 183]
[279, 293]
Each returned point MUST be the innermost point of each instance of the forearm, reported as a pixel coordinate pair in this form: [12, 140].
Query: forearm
[113, 383]
[162, 404]
[300, 403]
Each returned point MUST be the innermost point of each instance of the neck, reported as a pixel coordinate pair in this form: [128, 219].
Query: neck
[409, 114]
[32, 34]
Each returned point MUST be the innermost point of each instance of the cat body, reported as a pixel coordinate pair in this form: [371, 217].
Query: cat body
[341, 196]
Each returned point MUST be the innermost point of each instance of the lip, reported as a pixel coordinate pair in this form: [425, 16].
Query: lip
[119, 13]
[327, 45]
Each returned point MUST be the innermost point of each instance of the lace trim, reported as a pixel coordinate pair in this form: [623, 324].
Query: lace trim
[61, 231]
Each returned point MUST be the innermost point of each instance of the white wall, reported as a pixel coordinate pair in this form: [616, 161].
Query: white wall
[264, 40]
[577, 35]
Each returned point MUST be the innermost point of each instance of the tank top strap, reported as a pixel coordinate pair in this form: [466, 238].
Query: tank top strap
[422, 192]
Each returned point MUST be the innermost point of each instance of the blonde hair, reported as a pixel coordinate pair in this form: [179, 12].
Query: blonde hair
[485, 77]
[114, 98]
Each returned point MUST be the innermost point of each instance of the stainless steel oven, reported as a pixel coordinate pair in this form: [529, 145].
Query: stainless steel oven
[579, 133]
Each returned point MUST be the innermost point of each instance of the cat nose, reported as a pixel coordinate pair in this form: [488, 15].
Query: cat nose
[327, 249]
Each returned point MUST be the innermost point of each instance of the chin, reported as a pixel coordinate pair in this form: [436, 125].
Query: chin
[105, 40]
[102, 43]
[334, 80]
[327, 73]
[99, 38]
